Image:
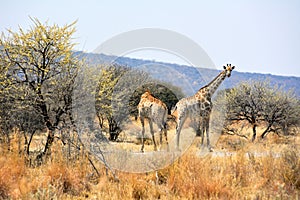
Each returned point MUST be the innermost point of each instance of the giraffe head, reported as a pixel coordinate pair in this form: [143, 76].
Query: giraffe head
[146, 94]
[228, 69]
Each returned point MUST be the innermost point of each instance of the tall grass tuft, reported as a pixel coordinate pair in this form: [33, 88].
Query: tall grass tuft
[12, 171]
[290, 169]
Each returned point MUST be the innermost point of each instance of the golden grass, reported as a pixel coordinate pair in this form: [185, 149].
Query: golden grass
[239, 176]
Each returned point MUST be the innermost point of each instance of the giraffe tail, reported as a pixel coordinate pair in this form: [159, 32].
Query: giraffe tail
[165, 119]
[174, 111]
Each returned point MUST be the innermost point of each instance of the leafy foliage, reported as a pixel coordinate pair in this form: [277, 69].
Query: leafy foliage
[37, 73]
[108, 80]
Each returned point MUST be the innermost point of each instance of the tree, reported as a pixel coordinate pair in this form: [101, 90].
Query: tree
[106, 99]
[167, 93]
[281, 111]
[37, 71]
[259, 103]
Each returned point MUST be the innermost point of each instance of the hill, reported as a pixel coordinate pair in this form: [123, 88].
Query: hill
[191, 78]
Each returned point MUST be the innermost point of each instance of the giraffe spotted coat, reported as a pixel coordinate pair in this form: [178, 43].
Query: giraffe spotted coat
[155, 111]
[199, 106]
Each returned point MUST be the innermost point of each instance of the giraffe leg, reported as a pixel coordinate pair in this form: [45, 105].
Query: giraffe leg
[181, 120]
[143, 133]
[160, 137]
[164, 126]
[166, 136]
[160, 134]
[207, 134]
[163, 130]
[198, 128]
[202, 128]
[198, 131]
[152, 133]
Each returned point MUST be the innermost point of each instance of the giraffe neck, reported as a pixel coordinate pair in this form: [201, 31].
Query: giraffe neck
[215, 83]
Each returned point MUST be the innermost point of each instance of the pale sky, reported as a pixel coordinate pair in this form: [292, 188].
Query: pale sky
[255, 35]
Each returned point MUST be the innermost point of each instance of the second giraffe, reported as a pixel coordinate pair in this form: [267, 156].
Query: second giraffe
[155, 111]
[199, 106]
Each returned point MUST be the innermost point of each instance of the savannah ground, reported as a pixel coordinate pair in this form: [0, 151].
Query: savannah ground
[243, 173]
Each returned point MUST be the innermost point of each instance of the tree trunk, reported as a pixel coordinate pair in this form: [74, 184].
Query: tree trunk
[28, 142]
[101, 120]
[42, 105]
[114, 130]
[265, 132]
[51, 126]
[254, 131]
[50, 139]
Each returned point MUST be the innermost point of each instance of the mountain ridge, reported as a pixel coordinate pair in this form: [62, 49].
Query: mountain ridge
[197, 77]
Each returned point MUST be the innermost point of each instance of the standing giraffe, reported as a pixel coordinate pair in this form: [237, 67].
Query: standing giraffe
[199, 106]
[155, 111]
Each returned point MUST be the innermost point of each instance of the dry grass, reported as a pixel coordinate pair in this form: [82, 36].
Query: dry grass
[239, 176]
[55, 179]
[12, 172]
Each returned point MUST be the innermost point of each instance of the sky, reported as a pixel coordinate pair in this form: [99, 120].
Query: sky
[261, 36]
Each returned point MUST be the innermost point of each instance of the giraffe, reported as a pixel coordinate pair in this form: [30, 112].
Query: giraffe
[199, 107]
[155, 111]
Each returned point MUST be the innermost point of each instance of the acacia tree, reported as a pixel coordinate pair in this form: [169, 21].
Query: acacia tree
[281, 111]
[38, 69]
[116, 83]
[259, 103]
[109, 77]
